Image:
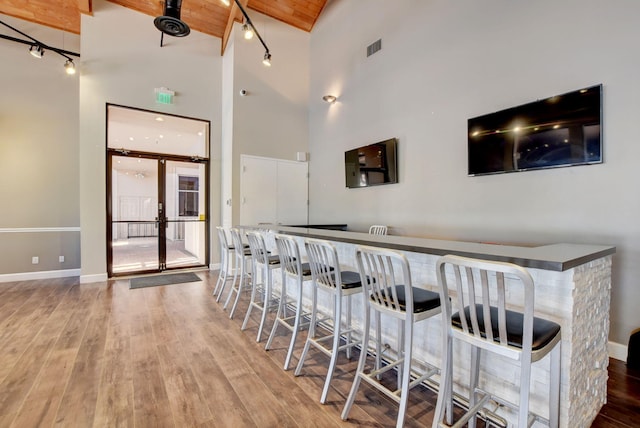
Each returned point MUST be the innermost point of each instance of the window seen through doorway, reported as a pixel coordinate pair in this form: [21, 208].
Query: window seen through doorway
[188, 188]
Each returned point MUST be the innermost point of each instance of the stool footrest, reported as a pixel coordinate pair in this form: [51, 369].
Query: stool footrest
[471, 413]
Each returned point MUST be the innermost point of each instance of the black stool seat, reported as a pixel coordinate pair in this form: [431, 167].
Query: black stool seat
[274, 260]
[543, 330]
[423, 300]
[350, 279]
[306, 269]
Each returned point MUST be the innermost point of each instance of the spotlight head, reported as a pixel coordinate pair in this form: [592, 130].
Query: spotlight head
[267, 59]
[329, 99]
[248, 32]
[70, 67]
[36, 51]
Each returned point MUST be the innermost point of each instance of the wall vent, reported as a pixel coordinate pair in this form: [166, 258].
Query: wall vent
[374, 47]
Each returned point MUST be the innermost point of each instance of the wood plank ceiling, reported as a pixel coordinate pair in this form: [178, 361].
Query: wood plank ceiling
[207, 16]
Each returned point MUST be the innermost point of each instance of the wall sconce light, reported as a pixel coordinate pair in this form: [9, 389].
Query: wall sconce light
[329, 99]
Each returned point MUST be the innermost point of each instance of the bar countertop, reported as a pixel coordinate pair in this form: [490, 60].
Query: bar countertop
[553, 257]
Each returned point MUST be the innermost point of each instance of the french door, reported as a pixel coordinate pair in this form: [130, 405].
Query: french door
[156, 212]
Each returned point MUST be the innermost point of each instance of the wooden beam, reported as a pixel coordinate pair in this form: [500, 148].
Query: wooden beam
[234, 15]
[85, 6]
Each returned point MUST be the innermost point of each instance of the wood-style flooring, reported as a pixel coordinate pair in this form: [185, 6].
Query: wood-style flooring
[102, 355]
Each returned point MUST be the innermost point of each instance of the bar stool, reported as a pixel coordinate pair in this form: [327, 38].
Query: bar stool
[241, 274]
[378, 229]
[226, 256]
[261, 295]
[328, 277]
[478, 288]
[292, 267]
[388, 290]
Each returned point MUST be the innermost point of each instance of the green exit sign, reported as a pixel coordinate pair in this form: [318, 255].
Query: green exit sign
[164, 96]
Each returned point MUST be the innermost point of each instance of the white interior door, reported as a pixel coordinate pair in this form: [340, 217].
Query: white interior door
[258, 192]
[273, 191]
[293, 192]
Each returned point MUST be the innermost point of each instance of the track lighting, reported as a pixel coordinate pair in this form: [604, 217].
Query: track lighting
[329, 99]
[248, 33]
[267, 59]
[70, 67]
[249, 30]
[37, 48]
[36, 51]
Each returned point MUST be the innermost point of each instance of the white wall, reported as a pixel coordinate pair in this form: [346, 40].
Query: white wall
[272, 119]
[122, 63]
[443, 62]
[38, 153]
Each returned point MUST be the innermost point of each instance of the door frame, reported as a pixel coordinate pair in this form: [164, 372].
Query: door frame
[161, 198]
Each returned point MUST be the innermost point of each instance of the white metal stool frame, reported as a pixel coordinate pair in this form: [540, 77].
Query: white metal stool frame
[390, 292]
[378, 229]
[226, 256]
[327, 275]
[261, 294]
[481, 279]
[241, 276]
[292, 267]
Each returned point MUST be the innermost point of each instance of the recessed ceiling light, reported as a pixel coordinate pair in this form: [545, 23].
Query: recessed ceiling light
[161, 136]
[130, 138]
[159, 119]
[200, 133]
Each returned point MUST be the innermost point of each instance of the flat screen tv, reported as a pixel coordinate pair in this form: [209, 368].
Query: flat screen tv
[371, 165]
[563, 130]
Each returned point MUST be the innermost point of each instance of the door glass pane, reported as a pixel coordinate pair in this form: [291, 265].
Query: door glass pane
[134, 201]
[185, 197]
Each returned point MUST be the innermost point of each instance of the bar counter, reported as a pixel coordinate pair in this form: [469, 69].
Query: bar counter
[572, 283]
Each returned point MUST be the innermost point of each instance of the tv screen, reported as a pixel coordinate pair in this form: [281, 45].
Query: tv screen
[563, 130]
[371, 165]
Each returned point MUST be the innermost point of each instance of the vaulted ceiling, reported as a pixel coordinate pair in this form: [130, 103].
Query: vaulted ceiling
[207, 16]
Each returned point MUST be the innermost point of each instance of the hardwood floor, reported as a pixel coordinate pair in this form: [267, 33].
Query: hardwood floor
[102, 355]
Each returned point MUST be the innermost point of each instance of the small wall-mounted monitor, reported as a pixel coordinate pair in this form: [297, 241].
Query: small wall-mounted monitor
[371, 165]
[563, 130]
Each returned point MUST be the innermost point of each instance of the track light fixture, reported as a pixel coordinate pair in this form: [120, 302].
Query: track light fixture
[70, 67]
[36, 51]
[248, 33]
[37, 48]
[250, 29]
[267, 59]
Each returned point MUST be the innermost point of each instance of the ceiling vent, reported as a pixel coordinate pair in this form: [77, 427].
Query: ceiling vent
[374, 47]
[170, 22]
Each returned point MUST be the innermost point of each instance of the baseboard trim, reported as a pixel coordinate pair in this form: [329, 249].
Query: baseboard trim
[618, 351]
[30, 276]
[98, 277]
[214, 266]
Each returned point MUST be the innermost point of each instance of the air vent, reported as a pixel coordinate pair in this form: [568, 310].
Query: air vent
[170, 22]
[374, 47]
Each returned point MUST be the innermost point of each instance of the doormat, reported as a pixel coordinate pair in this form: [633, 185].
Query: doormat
[154, 281]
